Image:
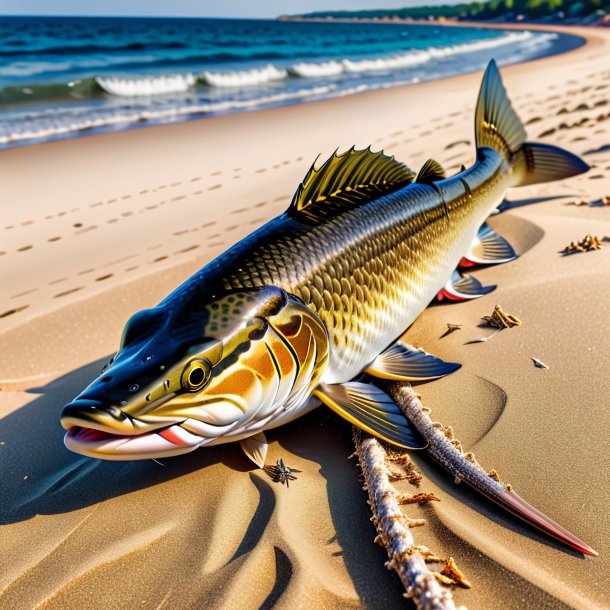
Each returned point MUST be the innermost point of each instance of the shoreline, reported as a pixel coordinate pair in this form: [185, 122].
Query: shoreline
[105, 225]
[88, 123]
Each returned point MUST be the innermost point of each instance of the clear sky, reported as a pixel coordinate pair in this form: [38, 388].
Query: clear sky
[195, 8]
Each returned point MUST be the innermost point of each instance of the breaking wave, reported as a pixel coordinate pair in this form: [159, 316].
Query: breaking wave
[258, 76]
[54, 125]
[243, 78]
[156, 85]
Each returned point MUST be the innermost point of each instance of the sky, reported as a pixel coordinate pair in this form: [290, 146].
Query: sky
[196, 8]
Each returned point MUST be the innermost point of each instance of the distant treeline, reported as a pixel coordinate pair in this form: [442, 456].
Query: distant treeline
[493, 9]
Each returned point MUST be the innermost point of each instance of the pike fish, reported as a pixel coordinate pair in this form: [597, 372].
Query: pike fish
[288, 317]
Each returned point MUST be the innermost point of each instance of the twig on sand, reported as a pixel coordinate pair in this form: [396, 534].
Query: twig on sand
[447, 452]
[443, 447]
[406, 558]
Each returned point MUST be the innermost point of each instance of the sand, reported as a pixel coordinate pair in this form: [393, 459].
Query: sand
[98, 227]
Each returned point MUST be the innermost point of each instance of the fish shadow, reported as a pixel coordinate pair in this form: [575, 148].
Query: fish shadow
[323, 438]
[40, 476]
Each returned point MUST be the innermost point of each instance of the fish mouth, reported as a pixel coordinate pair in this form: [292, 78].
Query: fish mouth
[161, 442]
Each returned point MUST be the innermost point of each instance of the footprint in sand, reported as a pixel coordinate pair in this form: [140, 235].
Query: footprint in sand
[104, 277]
[22, 294]
[458, 143]
[67, 292]
[10, 312]
[196, 179]
[187, 249]
[24, 248]
[213, 188]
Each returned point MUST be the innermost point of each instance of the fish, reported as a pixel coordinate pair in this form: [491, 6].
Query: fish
[309, 308]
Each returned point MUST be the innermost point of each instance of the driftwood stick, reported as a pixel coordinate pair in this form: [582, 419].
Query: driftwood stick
[406, 558]
[443, 448]
[447, 452]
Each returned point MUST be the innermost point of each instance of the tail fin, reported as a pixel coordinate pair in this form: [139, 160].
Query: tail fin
[497, 126]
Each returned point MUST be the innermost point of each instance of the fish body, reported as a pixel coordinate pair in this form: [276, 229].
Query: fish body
[289, 315]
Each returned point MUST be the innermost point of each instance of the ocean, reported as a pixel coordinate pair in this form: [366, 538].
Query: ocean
[66, 77]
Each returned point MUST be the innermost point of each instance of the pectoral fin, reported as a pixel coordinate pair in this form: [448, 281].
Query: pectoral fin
[372, 410]
[405, 363]
[255, 447]
[463, 288]
[489, 248]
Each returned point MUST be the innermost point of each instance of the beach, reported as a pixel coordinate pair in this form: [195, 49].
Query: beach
[98, 227]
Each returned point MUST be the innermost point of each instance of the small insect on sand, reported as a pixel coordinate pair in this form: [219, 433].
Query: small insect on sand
[280, 473]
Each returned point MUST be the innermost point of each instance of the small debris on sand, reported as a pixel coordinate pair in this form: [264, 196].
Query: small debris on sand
[580, 202]
[452, 327]
[588, 243]
[500, 319]
[455, 576]
[538, 363]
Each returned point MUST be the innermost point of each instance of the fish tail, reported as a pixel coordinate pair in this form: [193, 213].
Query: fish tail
[498, 126]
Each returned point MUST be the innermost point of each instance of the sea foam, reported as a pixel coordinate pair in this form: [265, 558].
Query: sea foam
[153, 85]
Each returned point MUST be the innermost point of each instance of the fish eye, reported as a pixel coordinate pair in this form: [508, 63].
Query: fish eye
[196, 374]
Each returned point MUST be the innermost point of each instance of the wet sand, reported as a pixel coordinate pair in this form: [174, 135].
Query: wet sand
[96, 228]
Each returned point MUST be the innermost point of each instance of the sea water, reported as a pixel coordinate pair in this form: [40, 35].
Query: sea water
[63, 77]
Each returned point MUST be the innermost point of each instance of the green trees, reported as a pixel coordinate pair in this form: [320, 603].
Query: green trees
[492, 9]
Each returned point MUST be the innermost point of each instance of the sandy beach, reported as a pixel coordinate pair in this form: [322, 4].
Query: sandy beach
[98, 227]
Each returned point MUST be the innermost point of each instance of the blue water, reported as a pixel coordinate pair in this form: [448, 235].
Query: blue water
[63, 77]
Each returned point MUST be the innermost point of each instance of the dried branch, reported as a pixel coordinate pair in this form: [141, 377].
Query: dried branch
[406, 558]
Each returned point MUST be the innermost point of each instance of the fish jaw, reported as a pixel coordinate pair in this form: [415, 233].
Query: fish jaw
[164, 442]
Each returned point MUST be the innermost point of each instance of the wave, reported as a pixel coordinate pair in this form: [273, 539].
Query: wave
[241, 78]
[314, 70]
[54, 126]
[257, 76]
[155, 85]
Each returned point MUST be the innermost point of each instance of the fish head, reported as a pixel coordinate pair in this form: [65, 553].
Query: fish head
[199, 375]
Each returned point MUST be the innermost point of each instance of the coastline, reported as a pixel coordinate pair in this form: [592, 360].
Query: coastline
[108, 224]
[102, 102]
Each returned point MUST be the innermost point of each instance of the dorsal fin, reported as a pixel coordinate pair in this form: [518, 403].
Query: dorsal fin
[431, 171]
[346, 180]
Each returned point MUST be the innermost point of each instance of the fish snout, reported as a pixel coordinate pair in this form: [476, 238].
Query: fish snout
[97, 415]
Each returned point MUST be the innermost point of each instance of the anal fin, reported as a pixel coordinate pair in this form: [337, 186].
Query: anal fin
[255, 447]
[371, 410]
[489, 248]
[463, 288]
[403, 362]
